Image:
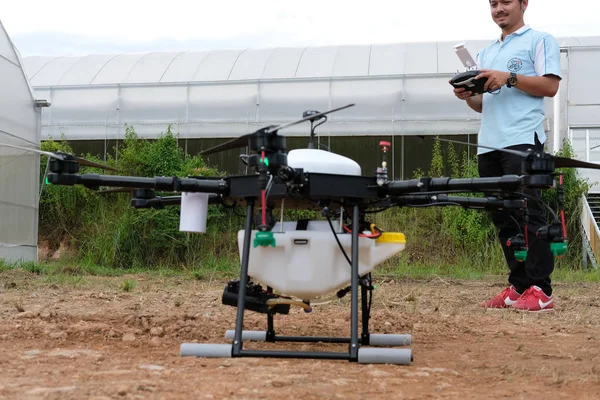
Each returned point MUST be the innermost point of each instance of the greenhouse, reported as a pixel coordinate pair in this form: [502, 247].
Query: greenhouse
[399, 90]
[20, 119]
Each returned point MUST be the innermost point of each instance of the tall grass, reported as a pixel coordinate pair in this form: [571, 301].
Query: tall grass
[104, 230]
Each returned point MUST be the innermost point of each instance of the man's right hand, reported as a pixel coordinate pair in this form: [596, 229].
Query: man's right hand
[462, 93]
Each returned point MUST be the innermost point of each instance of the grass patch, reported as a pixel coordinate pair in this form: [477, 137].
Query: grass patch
[573, 276]
[213, 269]
[74, 274]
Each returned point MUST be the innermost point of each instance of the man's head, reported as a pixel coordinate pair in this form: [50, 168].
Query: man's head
[508, 13]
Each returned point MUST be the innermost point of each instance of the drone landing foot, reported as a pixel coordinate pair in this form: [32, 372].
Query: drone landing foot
[366, 355]
[206, 350]
[384, 356]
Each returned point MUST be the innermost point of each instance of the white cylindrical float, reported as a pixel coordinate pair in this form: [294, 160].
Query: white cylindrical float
[194, 212]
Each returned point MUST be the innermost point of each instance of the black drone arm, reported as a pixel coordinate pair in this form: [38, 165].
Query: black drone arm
[503, 183]
[157, 202]
[174, 184]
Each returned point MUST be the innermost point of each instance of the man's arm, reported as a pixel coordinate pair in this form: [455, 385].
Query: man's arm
[475, 102]
[541, 86]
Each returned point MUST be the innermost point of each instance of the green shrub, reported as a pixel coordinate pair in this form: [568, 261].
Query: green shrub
[106, 230]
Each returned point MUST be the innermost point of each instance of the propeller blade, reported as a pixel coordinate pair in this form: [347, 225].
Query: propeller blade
[62, 156]
[308, 118]
[243, 140]
[232, 144]
[564, 162]
[116, 190]
[510, 151]
[88, 163]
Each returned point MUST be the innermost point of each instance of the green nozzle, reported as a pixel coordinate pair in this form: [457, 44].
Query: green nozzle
[559, 248]
[521, 255]
[264, 239]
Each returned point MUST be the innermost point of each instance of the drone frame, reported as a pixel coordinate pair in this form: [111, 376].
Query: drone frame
[357, 192]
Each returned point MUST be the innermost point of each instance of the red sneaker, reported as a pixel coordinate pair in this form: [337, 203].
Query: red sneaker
[506, 299]
[534, 299]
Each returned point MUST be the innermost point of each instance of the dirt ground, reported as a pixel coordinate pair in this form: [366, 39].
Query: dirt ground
[89, 339]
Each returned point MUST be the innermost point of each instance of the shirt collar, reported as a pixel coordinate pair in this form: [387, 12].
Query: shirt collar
[519, 32]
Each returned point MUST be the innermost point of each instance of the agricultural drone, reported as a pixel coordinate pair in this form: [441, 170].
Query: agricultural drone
[296, 263]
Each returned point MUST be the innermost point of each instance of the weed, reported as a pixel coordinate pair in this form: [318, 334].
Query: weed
[128, 285]
[33, 267]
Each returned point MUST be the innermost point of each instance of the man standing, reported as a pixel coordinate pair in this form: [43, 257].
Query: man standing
[522, 67]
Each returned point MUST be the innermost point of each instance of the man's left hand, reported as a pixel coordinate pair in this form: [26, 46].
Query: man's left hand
[495, 79]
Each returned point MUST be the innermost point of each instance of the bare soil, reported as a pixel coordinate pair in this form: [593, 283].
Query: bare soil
[87, 338]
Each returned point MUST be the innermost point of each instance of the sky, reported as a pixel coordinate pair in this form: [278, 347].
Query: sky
[76, 27]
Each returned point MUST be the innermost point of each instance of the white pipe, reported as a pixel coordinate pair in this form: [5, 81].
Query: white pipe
[556, 129]
[587, 145]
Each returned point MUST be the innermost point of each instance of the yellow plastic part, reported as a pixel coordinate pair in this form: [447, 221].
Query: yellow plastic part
[391, 237]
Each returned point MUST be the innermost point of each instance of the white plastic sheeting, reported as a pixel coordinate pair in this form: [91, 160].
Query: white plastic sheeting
[397, 88]
[19, 170]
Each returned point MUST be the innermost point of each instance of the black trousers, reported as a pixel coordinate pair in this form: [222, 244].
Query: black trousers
[539, 264]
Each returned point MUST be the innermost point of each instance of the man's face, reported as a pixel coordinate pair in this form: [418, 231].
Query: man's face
[506, 13]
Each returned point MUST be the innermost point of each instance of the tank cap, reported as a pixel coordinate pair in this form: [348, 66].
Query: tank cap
[391, 237]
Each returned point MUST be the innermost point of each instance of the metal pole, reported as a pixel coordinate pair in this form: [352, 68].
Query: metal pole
[393, 146]
[239, 322]
[354, 285]
[402, 159]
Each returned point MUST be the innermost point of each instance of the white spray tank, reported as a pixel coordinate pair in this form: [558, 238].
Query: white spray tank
[309, 263]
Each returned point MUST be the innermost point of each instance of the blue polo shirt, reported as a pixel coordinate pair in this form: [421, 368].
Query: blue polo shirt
[511, 116]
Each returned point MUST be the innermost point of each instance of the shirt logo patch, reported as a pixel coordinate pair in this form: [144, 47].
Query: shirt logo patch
[514, 65]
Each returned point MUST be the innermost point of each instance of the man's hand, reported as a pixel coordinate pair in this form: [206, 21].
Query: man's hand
[475, 102]
[495, 79]
[462, 93]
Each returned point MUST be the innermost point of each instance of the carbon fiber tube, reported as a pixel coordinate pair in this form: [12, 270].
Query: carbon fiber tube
[507, 182]
[174, 184]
